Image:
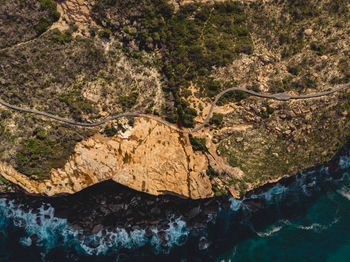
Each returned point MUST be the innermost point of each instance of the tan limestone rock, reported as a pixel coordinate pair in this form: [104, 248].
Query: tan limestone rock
[308, 31]
[153, 158]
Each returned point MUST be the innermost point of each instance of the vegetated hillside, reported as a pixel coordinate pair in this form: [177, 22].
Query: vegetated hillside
[268, 46]
[24, 20]
[300, 48]
[85, 79]
[171, 60]
[191, 40]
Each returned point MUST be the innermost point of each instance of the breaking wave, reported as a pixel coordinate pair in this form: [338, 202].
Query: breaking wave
[43, 229]
[344, 162]
[345, 192]
[263, 215]
[271, 231]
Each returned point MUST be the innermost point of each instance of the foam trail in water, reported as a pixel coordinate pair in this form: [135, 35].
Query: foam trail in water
[314, 227]
[270, 232]
[345, 192]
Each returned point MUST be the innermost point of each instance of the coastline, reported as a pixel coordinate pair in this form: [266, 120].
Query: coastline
[138, 210]
[257, 216]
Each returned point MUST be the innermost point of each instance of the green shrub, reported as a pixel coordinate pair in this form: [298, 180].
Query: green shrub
[211, 173]
[128, 101]
[131, 122]
[254, 88]
[4, 181]
[218, 192]
[233, 96]
[148, 110]
[75, 102]
[198, 143]
[41, 152]
[43, 24]
[49, 4]
[267, 111]
[110, 131]
[216, 119]
[105, 33]
[233, 161]
[213, 87]
[61, 38]
[197, 37]
[186, 93]
[294, 69]
[52, 6]
[55, 15]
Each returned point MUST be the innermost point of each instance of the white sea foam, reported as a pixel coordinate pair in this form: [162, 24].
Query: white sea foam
[345, 192]
[314, 227]
[270, 231]
[102, 243]
[176, 234]
[344, 162]
[275, 228]
[51, 232]
[203, 243]
[26, 241]
[235, 204]
[212, 218]
[309, 181]
[318, 227]
[285, 222]
[277, 192]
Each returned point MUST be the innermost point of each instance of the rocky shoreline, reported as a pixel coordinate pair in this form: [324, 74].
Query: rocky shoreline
[156, 226]
[108, 205]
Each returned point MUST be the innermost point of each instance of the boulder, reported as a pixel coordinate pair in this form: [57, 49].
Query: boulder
[97, 228]
[308, 31]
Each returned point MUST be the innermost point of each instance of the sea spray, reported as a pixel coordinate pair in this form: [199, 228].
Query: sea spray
[175, 235]
[279, 210]
[344, 162]
[45, 230]
[236, 204]
[269, 231]
[345, 192]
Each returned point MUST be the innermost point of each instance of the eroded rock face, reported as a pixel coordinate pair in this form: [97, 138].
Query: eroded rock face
[76, 12]
[151, 158]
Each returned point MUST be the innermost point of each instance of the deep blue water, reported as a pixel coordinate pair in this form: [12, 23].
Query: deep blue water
[308, 220]
[322, 234]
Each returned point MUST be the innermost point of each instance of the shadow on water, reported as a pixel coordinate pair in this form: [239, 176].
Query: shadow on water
[290, 199]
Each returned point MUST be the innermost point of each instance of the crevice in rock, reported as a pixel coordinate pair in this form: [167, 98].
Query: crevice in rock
[182, 141]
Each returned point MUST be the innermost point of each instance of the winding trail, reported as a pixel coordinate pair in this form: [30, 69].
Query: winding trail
[279, 96]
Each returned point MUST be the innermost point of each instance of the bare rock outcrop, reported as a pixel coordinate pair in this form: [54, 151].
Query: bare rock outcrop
[150, 157]
[75, 12]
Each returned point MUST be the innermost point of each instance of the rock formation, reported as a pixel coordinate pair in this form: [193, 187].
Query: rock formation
[150, 157]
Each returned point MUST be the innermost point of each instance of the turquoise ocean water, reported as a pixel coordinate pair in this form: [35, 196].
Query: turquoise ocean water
[306, 220]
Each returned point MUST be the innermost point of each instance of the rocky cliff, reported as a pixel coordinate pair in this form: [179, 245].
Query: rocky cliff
[101, 58]
[149, 157]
